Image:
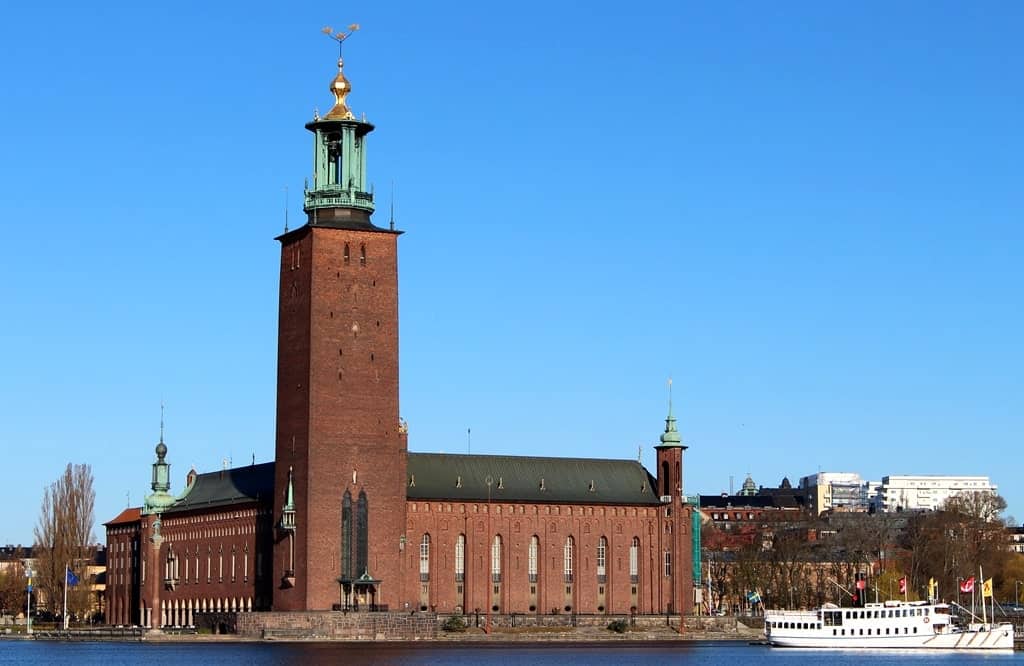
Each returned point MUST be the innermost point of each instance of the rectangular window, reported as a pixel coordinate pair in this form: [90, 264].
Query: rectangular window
[668, 563]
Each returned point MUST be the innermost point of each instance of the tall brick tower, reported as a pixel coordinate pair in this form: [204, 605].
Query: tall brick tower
[670, 487]
[339, 506]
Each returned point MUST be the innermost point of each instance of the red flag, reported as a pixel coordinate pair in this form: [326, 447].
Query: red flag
[903, 585]
[967, 585]
[861, 584]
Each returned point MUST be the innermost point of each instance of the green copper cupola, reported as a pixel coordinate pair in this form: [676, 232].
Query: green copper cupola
[160, 498]
[339, 158]
[671, 437]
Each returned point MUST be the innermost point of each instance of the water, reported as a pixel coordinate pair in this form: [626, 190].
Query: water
[312, 654]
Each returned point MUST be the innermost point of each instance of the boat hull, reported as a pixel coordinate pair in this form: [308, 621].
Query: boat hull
[996, 638]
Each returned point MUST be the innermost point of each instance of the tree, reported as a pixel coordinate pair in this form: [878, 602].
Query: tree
[12, 586]
[63, 536]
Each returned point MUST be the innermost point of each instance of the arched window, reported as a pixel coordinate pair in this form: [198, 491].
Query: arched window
[665, 486]
[346, 255]
[460, 558]
[634, 560]
[361, 539]
[602, 552]
[567, 559]
[362, 254]
[347, 561]
[531, 564]
[425, 558]
[496, 559]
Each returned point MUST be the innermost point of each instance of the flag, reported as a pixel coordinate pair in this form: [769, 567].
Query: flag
[30, 583]
[967, 585]
[986, 588]
[903, 585]
[72, 578]
[753, 597]
[861, 584]
[931, 588]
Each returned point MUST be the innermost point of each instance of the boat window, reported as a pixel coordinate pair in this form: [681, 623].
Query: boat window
[834, 632]
[887, 631]
[915, 630]
[843, 632]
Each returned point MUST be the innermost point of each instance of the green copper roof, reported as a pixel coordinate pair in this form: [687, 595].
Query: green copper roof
[437, 476]
[671, 436]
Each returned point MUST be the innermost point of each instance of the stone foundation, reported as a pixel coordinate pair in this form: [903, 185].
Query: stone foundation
[334, 625]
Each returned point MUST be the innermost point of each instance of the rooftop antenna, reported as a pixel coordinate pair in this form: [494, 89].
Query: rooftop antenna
[128, 497]
[469, 440]
[640, 453]
[286, 209]
[161, 420]
[392, 223]
[730, 484]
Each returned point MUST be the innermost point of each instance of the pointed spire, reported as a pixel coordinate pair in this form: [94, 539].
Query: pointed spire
[671, 436]
[289, 504]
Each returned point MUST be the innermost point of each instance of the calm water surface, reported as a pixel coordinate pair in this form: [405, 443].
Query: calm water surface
[159, 654]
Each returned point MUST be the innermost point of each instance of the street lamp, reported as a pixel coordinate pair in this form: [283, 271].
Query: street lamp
[28, 601]
[1016, 598]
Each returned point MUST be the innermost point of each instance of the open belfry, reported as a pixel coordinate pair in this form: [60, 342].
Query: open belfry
[345, 518]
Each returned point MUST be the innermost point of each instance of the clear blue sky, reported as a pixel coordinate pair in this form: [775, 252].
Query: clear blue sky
[808, 214]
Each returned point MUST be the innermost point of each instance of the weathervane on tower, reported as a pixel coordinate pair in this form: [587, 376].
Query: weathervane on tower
[340, 87]
[339, 36]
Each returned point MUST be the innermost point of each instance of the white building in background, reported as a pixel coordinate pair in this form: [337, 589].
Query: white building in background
[910, 493]
[841, 491]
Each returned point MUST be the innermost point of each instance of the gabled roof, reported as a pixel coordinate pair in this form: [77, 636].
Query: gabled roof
[129, 515]
[446, 476]
[228, 486]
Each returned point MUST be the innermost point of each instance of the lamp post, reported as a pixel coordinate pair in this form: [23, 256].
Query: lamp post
[490, 549]
[959, 581]
[1016, 597]
[28, 601]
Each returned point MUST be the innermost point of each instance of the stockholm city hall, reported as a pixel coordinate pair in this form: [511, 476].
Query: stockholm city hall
[345, 517]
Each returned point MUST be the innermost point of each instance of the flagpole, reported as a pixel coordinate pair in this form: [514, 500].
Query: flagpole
[984, 613]
[65, 617]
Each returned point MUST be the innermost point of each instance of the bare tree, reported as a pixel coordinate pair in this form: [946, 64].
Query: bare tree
[63, 537]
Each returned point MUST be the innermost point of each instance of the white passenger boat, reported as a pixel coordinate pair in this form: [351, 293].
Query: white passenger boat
[893, 624]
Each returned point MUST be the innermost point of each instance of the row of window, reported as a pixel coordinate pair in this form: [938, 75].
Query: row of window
[533, 560]
[871, 631]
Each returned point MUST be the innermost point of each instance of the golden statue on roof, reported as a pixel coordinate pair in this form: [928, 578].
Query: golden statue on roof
[340, 87]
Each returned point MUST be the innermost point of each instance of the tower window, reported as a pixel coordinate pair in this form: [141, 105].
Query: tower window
[362, 255]
[345, 256]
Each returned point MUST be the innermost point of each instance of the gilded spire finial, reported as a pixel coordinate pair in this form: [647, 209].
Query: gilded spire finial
[340, 87]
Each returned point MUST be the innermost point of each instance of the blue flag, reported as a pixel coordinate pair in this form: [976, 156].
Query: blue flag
[753, 597]
[72, 578]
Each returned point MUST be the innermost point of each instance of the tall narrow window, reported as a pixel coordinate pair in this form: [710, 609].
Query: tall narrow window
[345, 256]
[362, 255]
[602, 551]
[362, 531]
[634, 560]
[665, 490]
[346, 537]
[567, 559]
[668, 563]
[531, 563]
[460, 558]
[425, 558]
[496, 559]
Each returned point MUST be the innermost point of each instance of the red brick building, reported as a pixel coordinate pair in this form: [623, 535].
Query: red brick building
[345, 517]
